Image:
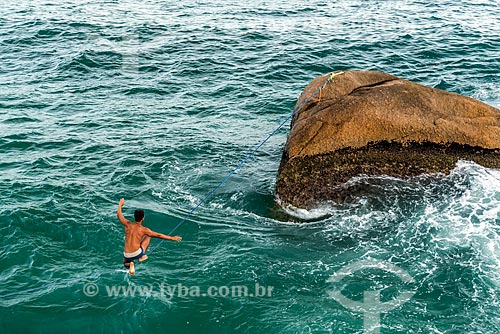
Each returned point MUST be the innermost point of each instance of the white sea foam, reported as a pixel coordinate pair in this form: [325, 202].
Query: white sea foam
[488, 93]
[473, 219]
[432, 214]
[322, 211]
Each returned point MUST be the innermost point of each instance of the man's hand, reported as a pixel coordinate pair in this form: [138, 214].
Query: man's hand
[176, 238]
[122, 201]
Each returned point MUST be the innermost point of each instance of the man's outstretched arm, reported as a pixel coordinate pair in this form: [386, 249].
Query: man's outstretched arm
[120, 214]
[154, 234]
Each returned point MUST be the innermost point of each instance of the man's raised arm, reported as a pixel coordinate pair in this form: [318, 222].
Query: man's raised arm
[120, 214]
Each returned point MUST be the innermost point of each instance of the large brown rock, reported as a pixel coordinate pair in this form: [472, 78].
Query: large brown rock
[368, 122]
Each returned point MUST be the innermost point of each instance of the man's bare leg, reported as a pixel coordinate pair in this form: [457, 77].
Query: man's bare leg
[131, 269]
[145, 244]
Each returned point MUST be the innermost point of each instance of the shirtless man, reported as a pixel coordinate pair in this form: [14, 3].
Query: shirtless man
[137, 238]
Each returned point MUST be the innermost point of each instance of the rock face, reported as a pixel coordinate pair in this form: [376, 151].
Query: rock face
[368, 122]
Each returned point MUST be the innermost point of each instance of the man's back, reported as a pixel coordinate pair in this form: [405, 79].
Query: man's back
[133, 236]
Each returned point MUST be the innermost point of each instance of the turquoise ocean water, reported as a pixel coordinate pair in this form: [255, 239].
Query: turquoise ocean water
[156, 101]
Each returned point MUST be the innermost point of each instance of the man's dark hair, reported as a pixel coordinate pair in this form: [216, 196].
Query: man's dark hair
[138, 215]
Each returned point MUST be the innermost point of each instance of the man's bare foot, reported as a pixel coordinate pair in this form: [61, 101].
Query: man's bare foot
[131, 268]
[143, 258]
